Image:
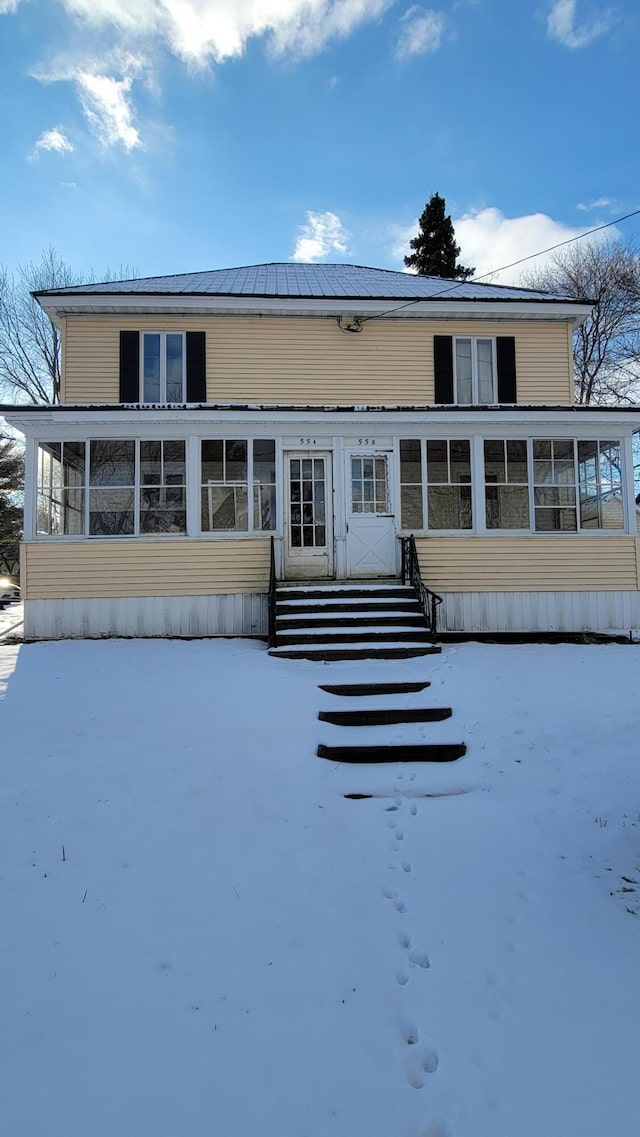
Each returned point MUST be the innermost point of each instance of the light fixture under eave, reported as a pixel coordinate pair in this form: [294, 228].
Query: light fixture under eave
[350, 322]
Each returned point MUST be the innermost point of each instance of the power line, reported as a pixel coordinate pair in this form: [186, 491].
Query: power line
[494, 271]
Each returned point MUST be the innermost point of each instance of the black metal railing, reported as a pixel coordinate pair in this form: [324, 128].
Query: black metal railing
[429, 601]
[272, 595]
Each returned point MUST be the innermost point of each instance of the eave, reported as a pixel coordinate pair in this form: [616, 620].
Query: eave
[59, 306]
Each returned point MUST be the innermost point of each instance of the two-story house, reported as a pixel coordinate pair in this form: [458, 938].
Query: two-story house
[334, 408]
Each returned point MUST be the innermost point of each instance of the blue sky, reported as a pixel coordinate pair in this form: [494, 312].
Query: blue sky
[207, 133]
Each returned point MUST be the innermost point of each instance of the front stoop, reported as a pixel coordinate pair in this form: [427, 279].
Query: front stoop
[341, 621]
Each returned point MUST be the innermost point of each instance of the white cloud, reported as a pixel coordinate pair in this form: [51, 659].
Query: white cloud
[597, 203]
[201, 31]
[488, 239]
[7, 7]
[561, 25]
[421, 33]
[105, 102]
[322, 235]
[104, 90]
[54, 139]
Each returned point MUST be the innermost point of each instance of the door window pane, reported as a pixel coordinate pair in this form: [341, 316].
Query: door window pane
[306, 506]
[369, 485]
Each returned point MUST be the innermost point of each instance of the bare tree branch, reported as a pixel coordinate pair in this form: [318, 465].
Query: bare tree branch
[30, 345]
[606, 349]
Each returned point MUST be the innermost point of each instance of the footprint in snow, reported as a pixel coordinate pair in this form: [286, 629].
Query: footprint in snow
[420, 1060]
[406, 866]
[419, 958]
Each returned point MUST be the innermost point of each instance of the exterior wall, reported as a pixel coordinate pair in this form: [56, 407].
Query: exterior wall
[586, 611]
[233, 614]
[304, 360]
[536, 563]
[134, 568]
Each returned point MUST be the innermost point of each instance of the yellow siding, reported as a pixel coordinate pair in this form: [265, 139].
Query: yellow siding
[143, 568]
[303, 360]
[529, 564]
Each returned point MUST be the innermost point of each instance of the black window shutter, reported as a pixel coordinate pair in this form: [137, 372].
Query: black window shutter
[129, 367]
[443, 367]
[196, 378]
[506, 360]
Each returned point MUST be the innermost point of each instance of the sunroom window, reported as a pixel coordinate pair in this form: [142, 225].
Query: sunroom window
[600, 479]
[475, 370]
[449, 484]
[411, 506]
[554, 485]
[163, 491]
[60, 489]
[229, 467]
[163, 367]
[506, 476]
[112, 487]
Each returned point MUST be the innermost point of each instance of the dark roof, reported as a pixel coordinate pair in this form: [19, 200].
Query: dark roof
[314, 281]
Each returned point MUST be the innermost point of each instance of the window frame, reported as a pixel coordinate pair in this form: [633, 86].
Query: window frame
[163, 401]
[475, 399]
[251, 530]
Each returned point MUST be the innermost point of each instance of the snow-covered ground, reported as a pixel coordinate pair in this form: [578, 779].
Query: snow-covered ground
[200, 936]
[11, 617]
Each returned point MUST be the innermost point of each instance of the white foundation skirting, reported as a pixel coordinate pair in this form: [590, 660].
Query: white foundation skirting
[596, 611]
[243, 614]
[232, 614]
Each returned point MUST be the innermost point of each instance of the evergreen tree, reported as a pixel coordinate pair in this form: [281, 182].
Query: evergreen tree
[11, 481]
[435, 250]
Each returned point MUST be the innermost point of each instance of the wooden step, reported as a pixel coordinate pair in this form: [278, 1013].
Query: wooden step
[373, 688]
[372, 604]
[383, 717]
[366, 633]
[364, 619]
[427, 752]
[345, 592]
[366, 650]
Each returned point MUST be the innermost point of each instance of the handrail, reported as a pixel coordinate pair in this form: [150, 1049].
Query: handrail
[429, 601]
[272, 595]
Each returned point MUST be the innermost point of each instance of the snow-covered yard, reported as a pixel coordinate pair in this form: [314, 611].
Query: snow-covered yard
[202, 936]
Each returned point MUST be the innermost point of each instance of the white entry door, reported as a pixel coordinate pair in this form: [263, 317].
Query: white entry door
[309, 516]
[371, 531]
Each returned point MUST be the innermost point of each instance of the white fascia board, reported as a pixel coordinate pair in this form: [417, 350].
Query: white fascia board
[151, 423]
[103, 304]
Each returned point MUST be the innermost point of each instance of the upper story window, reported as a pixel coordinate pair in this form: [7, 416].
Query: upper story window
[163, 367]
[475, 370]
[472, 370]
